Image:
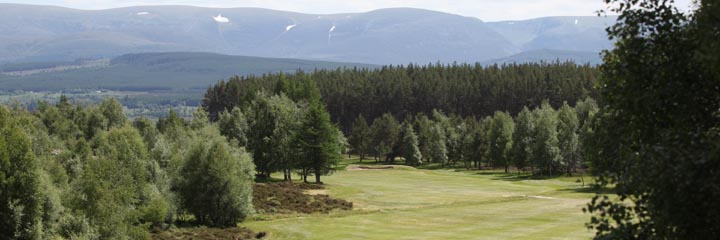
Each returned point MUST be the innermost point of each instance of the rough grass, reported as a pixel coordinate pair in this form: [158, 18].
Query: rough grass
[407, 203]
[202, 233]
[288, 198]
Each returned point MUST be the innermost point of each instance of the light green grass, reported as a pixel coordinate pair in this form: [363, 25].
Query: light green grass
[441, 204]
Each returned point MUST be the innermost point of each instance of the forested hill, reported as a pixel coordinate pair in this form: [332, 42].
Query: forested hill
[463, 89]
[149, 71]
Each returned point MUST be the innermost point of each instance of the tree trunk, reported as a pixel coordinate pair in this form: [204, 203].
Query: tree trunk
[317, 176]
[304, 175]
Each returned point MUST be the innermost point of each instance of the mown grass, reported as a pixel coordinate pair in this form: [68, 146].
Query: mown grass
[406, 203]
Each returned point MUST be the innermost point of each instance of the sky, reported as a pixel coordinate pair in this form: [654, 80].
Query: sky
[487, 10]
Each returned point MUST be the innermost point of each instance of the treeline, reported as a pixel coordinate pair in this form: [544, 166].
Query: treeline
[75, 171]
[460, 89]
[544, 140]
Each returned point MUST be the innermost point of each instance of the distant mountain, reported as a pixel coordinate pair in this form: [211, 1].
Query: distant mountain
[547, 55]
[386, 36]
[149, 71]
[559, 33]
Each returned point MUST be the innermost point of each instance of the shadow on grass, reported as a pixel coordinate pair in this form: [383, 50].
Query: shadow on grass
[589, 189]
[518, 176]
[268, 180]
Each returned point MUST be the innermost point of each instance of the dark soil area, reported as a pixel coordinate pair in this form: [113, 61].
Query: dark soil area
[202, 233]
[288, 197]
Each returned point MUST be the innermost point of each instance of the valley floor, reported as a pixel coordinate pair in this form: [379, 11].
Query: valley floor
[408, 203]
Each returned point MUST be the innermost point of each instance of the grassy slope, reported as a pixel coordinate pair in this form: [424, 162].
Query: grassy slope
[441, 204]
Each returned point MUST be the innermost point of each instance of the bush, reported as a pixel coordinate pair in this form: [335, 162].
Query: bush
[217, 184]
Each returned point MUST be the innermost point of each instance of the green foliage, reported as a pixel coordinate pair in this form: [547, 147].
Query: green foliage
[360, 137]
[500, 137]
[217, 182]
[655, 139]
[20, 196]
[317, 138]
[272, 123]
[437, 144]
[523, 139]
[385, 132]
[113, 113]
[234, 125]
[409, 145]
[568, 137]
[459, 89]
[147, 130]
[200, 119]
[111, 192]
[171, 123]
[546, 150]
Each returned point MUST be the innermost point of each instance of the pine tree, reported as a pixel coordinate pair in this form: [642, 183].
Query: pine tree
[317, 139]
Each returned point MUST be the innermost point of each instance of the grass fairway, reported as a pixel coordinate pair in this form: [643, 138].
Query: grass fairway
[406, 203]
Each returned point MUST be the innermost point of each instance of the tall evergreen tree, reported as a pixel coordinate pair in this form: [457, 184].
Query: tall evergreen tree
[318, 141]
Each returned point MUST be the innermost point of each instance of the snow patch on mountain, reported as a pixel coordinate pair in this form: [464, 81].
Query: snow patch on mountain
[221, 19]
[143, 13]
[290, 27]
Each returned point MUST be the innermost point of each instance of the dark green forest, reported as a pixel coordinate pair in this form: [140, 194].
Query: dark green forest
[459, 89]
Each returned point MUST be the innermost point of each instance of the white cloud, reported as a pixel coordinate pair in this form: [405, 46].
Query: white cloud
[488, 10]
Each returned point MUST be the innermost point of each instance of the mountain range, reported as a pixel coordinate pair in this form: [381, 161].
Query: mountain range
[33, 33]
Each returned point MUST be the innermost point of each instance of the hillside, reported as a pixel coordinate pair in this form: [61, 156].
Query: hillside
[585, 34]
[33, 33]
[386, 36]
[153, 71]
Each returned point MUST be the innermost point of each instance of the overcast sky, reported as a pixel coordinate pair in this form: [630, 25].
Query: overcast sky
[488, 10]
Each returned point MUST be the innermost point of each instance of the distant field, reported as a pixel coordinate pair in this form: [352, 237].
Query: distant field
[152, 104]
[407, 203]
